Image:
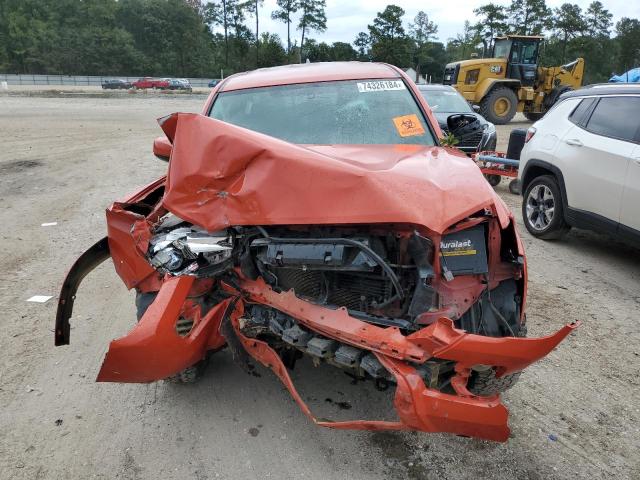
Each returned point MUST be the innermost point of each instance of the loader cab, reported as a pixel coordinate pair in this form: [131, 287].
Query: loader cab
[521, 53]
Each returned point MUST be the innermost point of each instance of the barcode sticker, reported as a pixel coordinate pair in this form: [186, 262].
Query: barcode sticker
[380, 86]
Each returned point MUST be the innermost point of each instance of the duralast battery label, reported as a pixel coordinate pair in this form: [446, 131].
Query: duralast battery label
[455, 247]
[465, 252]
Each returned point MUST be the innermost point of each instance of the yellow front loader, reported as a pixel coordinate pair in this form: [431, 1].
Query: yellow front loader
[512, 81]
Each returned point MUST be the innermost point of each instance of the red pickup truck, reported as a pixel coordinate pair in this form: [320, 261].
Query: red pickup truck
[149, 82]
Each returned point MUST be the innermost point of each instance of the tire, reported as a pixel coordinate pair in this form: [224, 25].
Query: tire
[533, 116]
[541, 197]
[514, 186]
[190, 374]
[550, 100]
[485, 382]
[499, 105]
[494, 180]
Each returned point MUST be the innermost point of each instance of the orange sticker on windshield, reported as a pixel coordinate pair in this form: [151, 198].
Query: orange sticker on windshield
[408, 125]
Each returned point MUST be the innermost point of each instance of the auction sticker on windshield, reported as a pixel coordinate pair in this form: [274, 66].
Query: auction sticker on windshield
[380, 85]
[408, 125]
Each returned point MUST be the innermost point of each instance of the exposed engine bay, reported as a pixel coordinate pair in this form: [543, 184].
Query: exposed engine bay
[379, 276]
[384, 278]
[425, 292]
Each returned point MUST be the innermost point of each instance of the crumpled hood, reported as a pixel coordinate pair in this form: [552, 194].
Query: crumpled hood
[222, 175]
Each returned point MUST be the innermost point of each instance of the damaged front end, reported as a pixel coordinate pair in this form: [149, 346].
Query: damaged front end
[262, 245]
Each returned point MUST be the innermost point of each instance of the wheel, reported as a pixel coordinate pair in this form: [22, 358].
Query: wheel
[542, 209]
[499, 105]
[486, 383]
[190, 374]
[550, 100]
[533, 116]
[494, 180]
[514, 186]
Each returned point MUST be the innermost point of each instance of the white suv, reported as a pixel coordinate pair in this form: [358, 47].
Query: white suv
[580, 165]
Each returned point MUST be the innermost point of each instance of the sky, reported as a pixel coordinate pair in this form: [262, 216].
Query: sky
[345, 18]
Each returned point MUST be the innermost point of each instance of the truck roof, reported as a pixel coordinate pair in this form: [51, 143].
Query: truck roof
[509, 37]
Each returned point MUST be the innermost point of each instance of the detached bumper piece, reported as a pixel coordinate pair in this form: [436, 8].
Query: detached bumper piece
[89, 260]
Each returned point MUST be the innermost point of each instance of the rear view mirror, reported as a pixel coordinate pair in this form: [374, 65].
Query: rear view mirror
[162, 148]
[476, 108]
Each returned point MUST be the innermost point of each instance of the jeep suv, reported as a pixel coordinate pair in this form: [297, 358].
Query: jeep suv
[580, 166]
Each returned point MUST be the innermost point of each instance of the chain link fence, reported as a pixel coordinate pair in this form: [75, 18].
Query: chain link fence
[81, 80]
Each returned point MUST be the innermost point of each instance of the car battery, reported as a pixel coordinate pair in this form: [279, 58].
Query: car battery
[464, 252]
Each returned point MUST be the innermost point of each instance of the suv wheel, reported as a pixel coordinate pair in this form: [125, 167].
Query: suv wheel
[542, 209]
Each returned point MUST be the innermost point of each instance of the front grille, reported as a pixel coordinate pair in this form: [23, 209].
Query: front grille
[472, 140]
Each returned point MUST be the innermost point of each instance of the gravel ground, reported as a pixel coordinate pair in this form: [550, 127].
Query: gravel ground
[573, 415]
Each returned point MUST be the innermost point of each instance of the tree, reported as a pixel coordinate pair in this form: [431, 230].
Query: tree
[461, 47]
[528, 17]
[252, 7]
[283, 14]
[389, 42]
[312, 18]
[223, 13]
[272, 52]
[492, 21]
[422, 30]
[343, 52]
[628, 30]
[568, 23]
[317, 52]
[598, 20]
[363, 44]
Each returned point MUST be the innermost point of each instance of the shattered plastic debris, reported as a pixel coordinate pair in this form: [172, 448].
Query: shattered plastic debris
[40, 298]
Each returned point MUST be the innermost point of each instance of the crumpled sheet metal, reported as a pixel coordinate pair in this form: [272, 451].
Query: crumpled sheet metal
[418, 407]
[222, 175]
[153, 350]
[440, 339]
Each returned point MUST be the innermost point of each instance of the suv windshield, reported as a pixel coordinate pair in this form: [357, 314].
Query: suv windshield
[445, 101]
[352, 112]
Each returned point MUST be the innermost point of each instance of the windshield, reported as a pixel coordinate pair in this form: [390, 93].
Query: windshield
[353, 112]
[501, 49]
[446, 101]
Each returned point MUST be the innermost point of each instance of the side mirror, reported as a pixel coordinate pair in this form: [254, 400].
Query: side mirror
[461, 123]
[476, 108]
[162, 148]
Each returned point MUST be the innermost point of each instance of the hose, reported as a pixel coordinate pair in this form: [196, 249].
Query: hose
[344, 241]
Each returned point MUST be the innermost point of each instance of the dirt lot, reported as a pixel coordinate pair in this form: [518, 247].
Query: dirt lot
[576, 414]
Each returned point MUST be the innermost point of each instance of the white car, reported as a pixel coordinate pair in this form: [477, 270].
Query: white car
[580, 165]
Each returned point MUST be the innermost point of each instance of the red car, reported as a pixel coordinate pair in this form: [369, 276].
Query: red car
[309, 210]
[149, 82]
